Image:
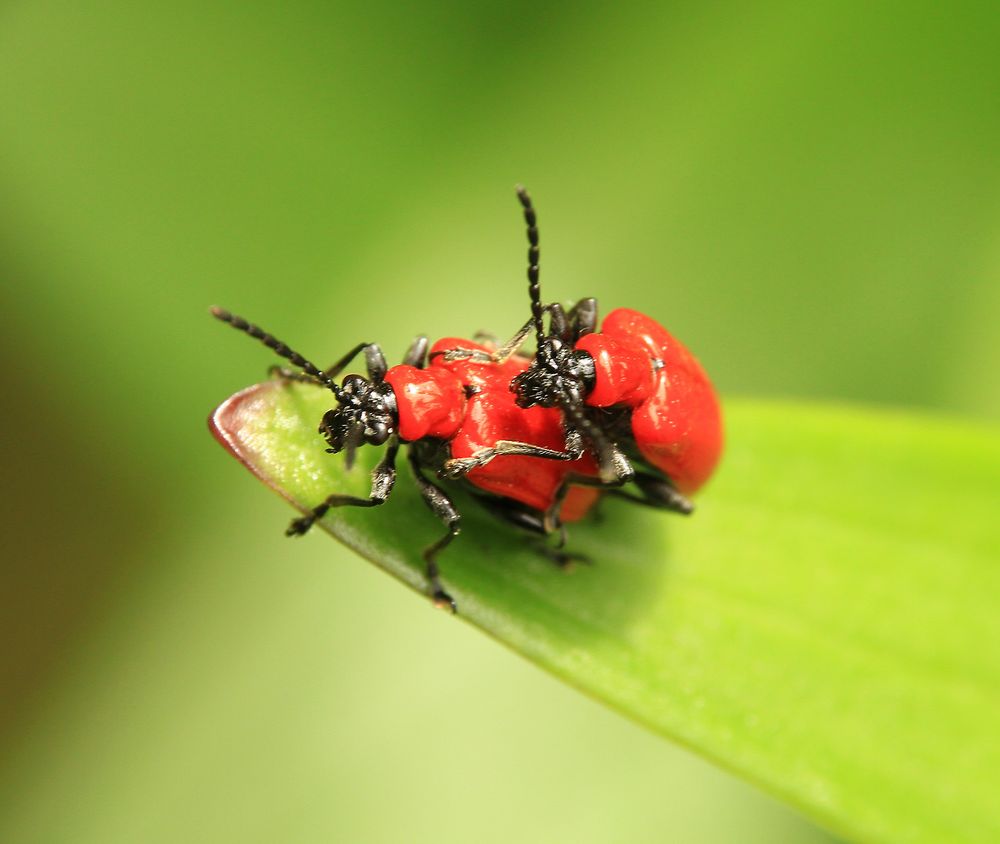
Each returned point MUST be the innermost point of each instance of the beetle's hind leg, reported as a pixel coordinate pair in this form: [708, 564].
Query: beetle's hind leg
[442, 507]
[502, 352]
[534, 523]
[551, 518]
[583, 317]
[416, 355]
[498, 355]
[657, 491]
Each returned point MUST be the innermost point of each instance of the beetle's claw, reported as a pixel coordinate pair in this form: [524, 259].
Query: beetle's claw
[444, 601]
[457, 467]
[299, 527]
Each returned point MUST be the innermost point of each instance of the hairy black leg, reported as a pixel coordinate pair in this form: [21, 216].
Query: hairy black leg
[383, 478]
[497, 355]
[511, 347]
[614, 467]
[533, 522]
[335, 370]
[657, 491]
[375, 361]
[583, 317]
[456, 467]
[416, 355]
[558, 323]
[551, 518]
[563, 559]
[442, 507]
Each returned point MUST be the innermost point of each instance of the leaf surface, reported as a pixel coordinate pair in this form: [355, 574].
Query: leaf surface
[827, 624]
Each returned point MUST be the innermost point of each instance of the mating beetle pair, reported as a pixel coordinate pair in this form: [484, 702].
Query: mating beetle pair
[624, 410]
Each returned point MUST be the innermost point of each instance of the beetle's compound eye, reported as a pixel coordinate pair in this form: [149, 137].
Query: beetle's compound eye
[355, 386]
[532, 387]
[378, 432]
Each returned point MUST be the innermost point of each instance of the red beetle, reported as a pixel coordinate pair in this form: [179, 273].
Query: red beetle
[446, 411]
[537, 440]
[631, 395]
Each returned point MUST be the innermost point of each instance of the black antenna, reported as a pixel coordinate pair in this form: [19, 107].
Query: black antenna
[534, 290]
[277, 347]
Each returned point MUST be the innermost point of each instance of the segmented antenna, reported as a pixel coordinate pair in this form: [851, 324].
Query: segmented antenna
[277, 347]
[534, 290]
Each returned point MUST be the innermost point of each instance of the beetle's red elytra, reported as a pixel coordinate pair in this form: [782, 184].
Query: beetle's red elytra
[676, 420]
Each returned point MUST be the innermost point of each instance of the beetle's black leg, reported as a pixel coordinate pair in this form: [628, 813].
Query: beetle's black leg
[461, 353]
[456, 467]
[340, 365]
[532, 521]
[563, 559]
[619, 473]
[625, 474]
[442, 507]
[497, 355]
[383, 478]
[416, 355]
[659, 492]
[583, 317]
[375, 361]
[511, 347]
[486, 337]
[614, 467]
[655, 491]
[558, 323]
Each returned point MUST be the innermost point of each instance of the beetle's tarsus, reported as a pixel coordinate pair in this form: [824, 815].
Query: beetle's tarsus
[443, 601]
[299, 527]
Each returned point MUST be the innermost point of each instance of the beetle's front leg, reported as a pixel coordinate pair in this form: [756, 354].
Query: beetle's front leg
[458, 467]
[442, 507]
[511, 347]
[383, 479]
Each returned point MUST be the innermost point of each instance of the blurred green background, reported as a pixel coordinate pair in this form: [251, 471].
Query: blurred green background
[807, 194]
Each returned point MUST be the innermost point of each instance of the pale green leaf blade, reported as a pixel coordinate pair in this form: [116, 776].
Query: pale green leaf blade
[827, 624]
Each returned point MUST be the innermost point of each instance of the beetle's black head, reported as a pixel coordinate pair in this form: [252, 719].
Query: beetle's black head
[557, 374]
[366, 413]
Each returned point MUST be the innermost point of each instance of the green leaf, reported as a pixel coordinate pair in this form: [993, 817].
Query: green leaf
[827, 624]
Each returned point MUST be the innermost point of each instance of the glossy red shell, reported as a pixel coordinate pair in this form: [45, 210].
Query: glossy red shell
[676, 420]
[431, 402]
[622, 370]
[491, 414]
